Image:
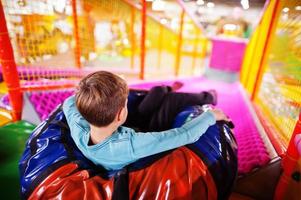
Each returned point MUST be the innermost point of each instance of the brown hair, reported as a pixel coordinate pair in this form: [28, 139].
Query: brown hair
[100, 96]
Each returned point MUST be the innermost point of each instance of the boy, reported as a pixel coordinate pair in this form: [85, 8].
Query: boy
[99, 108]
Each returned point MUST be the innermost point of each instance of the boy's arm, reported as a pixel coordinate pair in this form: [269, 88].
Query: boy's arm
[146, 144]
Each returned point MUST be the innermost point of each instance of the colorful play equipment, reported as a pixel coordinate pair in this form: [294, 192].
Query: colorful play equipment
[46, 47]
[37, 105]
[227, 54]
[13, 136]
[208, 167]
[50, 99]
[253, 150]
[5, 116]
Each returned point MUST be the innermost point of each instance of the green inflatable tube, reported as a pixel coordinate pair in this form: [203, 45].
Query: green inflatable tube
[13, 137]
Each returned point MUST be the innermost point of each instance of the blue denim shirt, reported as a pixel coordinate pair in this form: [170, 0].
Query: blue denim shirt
[125, 146]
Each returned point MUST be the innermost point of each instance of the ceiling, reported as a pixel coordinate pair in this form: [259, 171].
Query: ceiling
[252, 3]
[206, 16]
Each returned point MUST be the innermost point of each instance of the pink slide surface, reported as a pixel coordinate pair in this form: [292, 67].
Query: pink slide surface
[252, 152]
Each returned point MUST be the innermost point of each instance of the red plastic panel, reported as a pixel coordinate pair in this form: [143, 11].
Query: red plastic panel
[179, 175]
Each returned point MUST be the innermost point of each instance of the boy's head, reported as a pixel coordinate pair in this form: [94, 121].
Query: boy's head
[101, 98]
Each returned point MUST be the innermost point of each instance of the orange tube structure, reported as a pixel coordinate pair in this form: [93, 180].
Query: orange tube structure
[77, 51]
[143, 37]
[289, 163]
[9, 69]
[271, 31]
[179, 47]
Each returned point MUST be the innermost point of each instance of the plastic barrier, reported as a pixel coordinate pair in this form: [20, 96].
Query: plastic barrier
[5, 117]
[45, 102]
[33, 73]
[52, 166]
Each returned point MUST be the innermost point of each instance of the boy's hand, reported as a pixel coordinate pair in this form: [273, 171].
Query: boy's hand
[220, 115]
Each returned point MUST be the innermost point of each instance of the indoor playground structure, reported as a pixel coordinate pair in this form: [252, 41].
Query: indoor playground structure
[249, 51]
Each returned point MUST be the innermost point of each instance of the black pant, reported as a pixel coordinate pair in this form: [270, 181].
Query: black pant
[161, 106]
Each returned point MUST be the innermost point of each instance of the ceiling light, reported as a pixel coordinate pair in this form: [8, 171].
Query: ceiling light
[163, 21]
[200, 2]
[174, 24]
[125, 41]
[286, 9]
[230, 27]
[245, 4]
[210, 5]
[158, 5]
[21, 3]
[245, 7]
[298, 8]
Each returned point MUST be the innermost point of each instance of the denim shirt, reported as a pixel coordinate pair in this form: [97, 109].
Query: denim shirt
[126, 146]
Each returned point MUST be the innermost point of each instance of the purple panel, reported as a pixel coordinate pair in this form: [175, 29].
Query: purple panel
[4, 102]
[227, 55]
[46, 102]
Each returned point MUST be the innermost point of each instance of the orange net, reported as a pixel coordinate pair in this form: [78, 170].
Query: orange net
[57, 42]
[49, 36]
[41, 34]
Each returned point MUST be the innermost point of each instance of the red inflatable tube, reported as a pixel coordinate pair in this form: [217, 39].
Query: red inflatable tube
[190, 179]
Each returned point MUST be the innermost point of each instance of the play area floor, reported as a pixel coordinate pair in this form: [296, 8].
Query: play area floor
[252, 152]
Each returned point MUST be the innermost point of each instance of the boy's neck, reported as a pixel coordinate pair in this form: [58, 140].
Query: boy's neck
[98, 134]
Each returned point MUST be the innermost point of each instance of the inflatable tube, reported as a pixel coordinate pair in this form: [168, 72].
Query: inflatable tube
[52, 167]
[12, 139]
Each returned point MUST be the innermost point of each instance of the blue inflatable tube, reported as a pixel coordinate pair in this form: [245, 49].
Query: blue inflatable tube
[50, 146]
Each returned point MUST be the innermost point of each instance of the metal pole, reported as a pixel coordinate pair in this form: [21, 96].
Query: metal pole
[271, 31]
[179, 47]
[160, 46]
[289, 163]
[132, 33]
[143, 37]
[9, 69]
[77, 51]
[195, 50]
